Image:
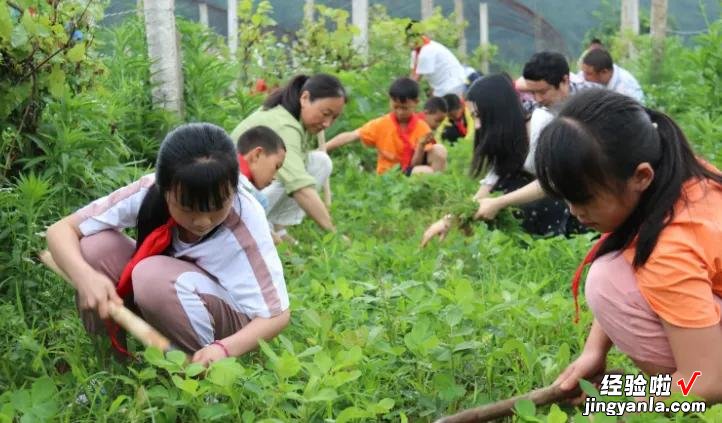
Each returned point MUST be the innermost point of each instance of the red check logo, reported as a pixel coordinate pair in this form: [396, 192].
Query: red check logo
[686, 388]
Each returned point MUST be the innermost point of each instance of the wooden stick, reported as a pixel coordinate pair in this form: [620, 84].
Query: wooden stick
[128, 320]
[326, 185]
[543, 396]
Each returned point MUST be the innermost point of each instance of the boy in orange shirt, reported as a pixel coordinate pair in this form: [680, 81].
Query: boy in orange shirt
[400, 137]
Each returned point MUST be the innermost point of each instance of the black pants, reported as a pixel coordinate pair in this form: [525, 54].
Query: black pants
[547, 216]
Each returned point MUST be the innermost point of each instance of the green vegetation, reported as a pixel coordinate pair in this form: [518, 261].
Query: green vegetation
[380, 330]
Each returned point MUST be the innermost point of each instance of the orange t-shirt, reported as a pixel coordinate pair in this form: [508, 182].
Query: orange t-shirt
[684, 272]
[382, 133]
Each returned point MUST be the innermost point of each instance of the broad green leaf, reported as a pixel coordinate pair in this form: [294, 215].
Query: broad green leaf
[225, 372]
[194, 369]
[5, 21]
[177, 357]
[352, 413]
[525, 408]
[287, 365]
[556, 415]
[214, 412]
[588, 388]
[348, 358]
[446, 387]
[187, 385]
[76, 53]
[325, 394]
[310, 351]
[56, 82]
[341, 377]
[18, 37]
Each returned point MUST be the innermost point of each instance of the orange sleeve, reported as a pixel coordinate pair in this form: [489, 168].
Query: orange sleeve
[675, 280]
[369, 133]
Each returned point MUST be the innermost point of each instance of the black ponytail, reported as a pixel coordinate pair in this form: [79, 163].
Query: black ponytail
[318, 86]
[598, 140]
[198, 163]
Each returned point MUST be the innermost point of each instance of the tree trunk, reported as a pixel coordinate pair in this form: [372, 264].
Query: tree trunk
[427, 8]
[630, 25]
[484, 35]
[203, 13]
[164, 52]
[658, 31]
[233, 27]
[461, 24]
[360, 19]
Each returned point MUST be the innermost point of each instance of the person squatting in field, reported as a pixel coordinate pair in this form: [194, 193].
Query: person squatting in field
[502, 145]
[298, 112]
[400, 137]
[655, 283]
[204, 270]
[546, 76]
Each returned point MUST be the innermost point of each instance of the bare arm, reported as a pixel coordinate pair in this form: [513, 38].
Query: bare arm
[418, 156]
[95, 290]
[483, 192]
[489, 207]
[309, 200]
[697, 350]
[590, 362]
[244, 340]
[342, 139]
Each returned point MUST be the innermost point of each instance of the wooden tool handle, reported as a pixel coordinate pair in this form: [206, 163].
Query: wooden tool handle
[496, 410]
[128, 320]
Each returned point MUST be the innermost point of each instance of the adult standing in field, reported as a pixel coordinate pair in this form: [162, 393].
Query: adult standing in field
[436, 63]
[655, 284]
[546, 76]
[597, 66]
[297, 112]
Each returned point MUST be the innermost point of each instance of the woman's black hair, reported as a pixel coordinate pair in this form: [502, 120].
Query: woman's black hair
[198, 163]
[597, 142]
[502, 142]
[318, 86]
[260, 136]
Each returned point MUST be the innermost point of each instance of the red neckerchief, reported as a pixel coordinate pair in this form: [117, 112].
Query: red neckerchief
[461, 122]
[590, 257]
[405, 134]
[155, 243]
[426, 40]
[244, 168]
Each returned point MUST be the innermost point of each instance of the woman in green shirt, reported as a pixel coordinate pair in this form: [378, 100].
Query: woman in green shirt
[297, 113]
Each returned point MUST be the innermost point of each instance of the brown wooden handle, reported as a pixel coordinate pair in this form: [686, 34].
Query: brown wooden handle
[128, 320]
[496, 410]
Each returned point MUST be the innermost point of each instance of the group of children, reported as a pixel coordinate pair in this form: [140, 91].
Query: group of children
[205, 271]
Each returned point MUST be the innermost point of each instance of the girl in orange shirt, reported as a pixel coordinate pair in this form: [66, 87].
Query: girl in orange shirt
[655, 285]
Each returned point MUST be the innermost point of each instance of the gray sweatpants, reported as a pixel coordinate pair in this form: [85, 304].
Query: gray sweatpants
[174, 296]
[283, 209]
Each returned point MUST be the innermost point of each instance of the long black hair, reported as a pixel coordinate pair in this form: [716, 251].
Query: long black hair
[318, 86]
[502, 142]
[198, 163]
[597, 142]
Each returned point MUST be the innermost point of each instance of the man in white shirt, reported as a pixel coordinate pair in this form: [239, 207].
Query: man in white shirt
[597, 66]
[436, 63]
